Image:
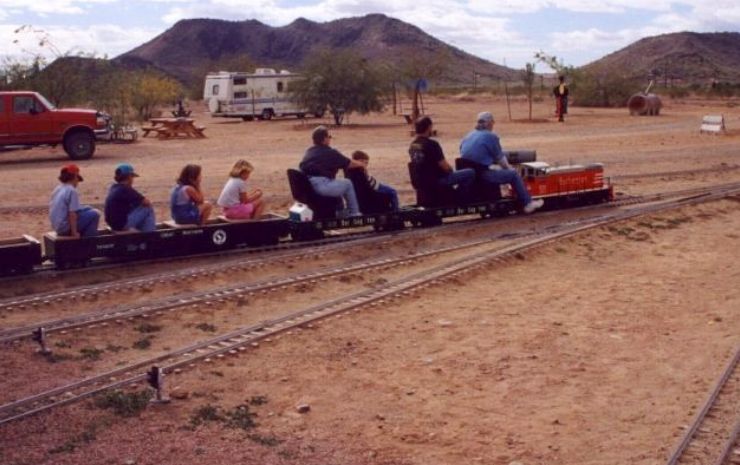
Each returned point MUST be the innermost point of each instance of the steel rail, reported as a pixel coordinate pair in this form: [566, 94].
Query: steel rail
[226, 292]
[194, 298]
[685, 441]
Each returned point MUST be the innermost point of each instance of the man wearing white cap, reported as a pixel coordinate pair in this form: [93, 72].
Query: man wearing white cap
[482, 146]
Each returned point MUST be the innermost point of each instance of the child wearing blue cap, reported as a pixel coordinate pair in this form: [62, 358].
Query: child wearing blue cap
[125, 207]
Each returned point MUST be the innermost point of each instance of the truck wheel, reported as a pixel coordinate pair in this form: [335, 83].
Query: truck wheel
[79, 145]
[319, 113]
[266, 114]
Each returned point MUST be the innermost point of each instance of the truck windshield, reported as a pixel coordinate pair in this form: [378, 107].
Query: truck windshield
[46, 103]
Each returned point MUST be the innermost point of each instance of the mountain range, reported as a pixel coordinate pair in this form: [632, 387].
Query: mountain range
[192, 47]
[189, 46]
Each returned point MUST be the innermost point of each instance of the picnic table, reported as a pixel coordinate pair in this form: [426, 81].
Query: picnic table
[168, 128]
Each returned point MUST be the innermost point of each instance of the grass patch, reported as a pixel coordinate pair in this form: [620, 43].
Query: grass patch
[269, 440]
[148, 328]
[63, 344]
[114, 348]
[240, 417]
[86, 437]
[205, 414]
[258, 400]
[209, 328]
[91, 353]
[122, 403]
[143, 343]
[676, 222]
[56, 357]
[622, 231]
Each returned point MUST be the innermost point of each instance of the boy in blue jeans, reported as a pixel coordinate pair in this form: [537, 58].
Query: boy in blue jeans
[67, 216]
[125, 207]
[364, 159]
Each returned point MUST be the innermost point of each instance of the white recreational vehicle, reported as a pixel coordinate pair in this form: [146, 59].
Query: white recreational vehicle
[263, 94]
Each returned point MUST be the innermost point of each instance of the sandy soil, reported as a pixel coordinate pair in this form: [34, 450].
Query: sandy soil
[594, 350]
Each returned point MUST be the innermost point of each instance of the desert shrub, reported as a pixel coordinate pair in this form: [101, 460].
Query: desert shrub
[125, 404]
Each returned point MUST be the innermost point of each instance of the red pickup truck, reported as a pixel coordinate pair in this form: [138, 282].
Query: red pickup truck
[28, 119]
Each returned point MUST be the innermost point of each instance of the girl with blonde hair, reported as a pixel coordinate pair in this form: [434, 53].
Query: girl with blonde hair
[237, 203]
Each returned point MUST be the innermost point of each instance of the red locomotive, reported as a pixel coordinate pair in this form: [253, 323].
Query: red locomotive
[584, 183]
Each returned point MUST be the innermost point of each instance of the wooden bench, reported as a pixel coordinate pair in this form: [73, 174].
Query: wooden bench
[199, 131]
[148, 129]
[713, 124]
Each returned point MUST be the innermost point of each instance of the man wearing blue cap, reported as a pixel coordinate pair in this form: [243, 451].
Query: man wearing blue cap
[125, 207]
[482, 146]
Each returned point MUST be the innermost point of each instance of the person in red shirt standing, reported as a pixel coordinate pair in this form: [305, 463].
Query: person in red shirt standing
[561, 98]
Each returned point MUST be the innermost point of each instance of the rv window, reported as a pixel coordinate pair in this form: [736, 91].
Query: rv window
[280, 86]
[240, 95]
[240, 81]
[214, 90]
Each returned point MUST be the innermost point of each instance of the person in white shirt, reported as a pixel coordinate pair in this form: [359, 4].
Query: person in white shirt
[235, 200]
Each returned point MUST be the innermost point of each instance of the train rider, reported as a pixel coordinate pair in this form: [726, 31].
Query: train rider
[321, 164]
[427, 155]
[67, 216]
[187, 202]
[481, 145]
[237, 202]
[125, 207]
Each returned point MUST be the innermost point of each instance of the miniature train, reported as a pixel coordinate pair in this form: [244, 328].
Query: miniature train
[558, 186]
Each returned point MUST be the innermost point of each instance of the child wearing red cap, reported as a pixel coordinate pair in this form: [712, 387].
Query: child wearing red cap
[67, 216]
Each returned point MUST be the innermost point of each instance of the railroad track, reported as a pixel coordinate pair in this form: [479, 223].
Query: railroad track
[37, 300]
[220, 295]
[242, 339]
[344, 237]
[712, 438]
[286, 251]
[711, 169]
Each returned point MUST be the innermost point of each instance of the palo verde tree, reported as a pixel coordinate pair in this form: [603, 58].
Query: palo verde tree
[152, 89]
[340, 81]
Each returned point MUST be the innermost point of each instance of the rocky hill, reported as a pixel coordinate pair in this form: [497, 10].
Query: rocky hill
[188, 48]
[681, 58]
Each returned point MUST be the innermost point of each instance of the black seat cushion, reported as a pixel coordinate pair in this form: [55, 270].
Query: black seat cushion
[323, 207]
[429, 192]
[370, 200]
[482, 191]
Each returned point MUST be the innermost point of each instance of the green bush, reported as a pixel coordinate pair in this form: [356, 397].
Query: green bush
[123, 403]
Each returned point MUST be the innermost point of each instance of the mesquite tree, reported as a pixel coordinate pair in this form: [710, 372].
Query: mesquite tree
[340, 81]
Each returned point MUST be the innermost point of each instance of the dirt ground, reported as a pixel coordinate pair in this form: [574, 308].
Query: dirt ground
[593, 350]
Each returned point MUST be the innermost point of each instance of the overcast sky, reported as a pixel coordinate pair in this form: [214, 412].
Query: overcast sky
[577, 31]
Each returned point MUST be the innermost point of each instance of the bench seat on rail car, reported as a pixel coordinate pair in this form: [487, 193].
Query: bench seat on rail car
[323, 207]
[429, 193]
[483, 191]
[370, 200]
